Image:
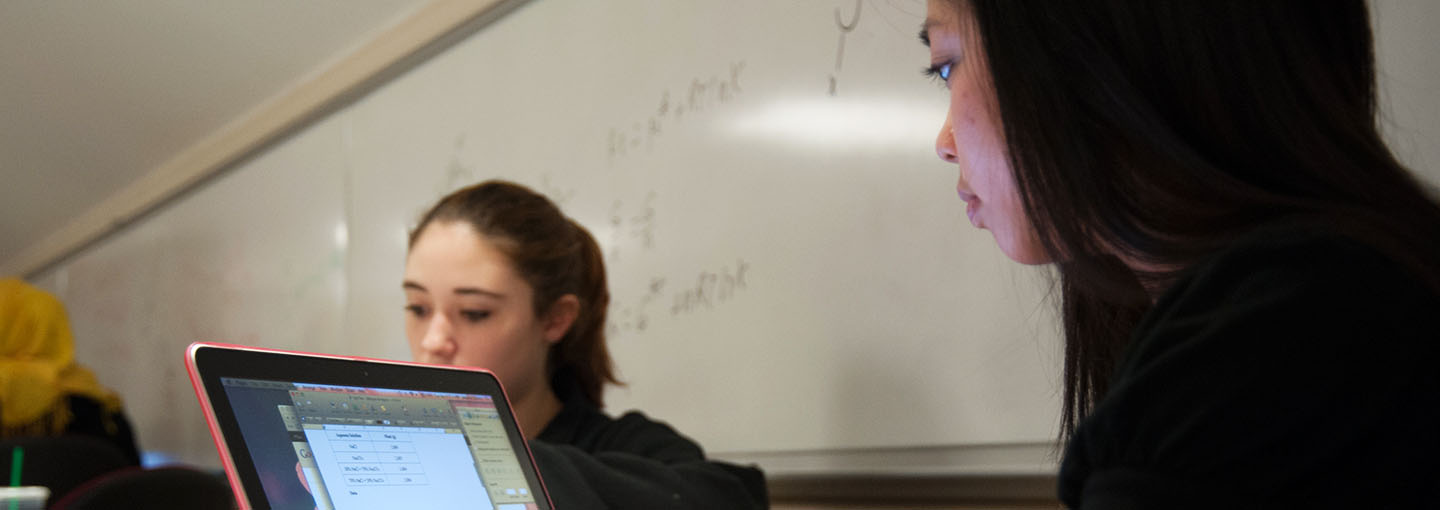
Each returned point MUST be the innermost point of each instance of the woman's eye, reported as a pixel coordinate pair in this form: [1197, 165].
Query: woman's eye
[474, 315]
[939, 72]
[417, 310]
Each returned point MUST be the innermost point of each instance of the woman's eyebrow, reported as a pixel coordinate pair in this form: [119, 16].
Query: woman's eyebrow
[925, 27]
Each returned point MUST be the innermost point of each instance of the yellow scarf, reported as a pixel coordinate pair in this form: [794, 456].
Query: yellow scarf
[37, 364]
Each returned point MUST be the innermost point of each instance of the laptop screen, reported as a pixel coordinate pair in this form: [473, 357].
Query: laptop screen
[315, 431]
[318, 446]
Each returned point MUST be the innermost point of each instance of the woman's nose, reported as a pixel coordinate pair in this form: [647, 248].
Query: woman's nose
[945, 142]
[439, 340]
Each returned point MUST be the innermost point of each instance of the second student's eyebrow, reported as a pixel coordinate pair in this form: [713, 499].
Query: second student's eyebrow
[476, 291]
[465, 291]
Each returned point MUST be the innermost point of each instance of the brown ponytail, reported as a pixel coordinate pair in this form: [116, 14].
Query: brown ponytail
[583, 352]
[555, 256]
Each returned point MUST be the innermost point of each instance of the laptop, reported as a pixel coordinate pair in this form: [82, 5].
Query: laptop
[311, 431]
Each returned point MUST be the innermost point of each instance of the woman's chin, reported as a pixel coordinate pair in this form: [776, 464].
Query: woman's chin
[1030, 254]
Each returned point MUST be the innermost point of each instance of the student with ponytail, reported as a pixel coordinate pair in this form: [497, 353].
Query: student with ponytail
[497, 277]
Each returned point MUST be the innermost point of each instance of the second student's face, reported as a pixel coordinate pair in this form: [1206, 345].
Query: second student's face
[972, 136]
[465, 304]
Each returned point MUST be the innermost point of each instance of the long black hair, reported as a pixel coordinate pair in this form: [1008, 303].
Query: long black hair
[1155, 132]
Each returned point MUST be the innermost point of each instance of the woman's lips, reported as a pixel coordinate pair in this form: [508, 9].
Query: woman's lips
[972, 206]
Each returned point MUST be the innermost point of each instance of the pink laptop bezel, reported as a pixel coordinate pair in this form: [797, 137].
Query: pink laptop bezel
[232, 471]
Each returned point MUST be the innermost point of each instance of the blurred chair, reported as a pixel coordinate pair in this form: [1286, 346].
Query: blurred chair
[162, 488]
[61, 463]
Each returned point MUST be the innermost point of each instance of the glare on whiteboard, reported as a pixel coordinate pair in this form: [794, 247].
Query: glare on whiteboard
[342, 236]
[831, 123]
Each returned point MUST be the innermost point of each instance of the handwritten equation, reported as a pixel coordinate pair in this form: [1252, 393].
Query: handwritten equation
[636, 318]
[709, 290]
[637, 225]
[702, 95]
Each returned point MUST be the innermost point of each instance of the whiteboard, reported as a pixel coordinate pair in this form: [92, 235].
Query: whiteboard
[252, 258]
[793, 278]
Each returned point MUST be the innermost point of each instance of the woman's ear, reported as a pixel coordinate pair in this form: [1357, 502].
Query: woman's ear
[561, 317]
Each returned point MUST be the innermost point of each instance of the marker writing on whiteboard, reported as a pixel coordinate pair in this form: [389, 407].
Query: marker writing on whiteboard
[840, 49]
[703, 94]
[639, 226]
[636, 318]
[711, 288]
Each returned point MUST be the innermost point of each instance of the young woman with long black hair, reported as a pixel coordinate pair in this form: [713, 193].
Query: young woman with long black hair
[1249, 279]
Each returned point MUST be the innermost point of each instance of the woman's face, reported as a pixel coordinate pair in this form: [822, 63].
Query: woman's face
[465, 304]
[972, 137]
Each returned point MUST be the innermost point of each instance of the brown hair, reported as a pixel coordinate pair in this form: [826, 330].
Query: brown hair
[556, 256]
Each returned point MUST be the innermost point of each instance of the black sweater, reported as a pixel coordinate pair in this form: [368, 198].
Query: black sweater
[591, 461]
[1295, 370]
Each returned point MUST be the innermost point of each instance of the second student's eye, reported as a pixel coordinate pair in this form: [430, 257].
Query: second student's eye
[474, 315]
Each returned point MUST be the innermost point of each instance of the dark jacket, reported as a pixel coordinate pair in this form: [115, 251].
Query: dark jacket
[1295, 370]
[591, 461]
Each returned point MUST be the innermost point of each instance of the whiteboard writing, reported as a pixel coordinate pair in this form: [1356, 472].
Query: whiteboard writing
[701, 95]
[711, 288]
[636, 318]
[845, 29]
[636, 226]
